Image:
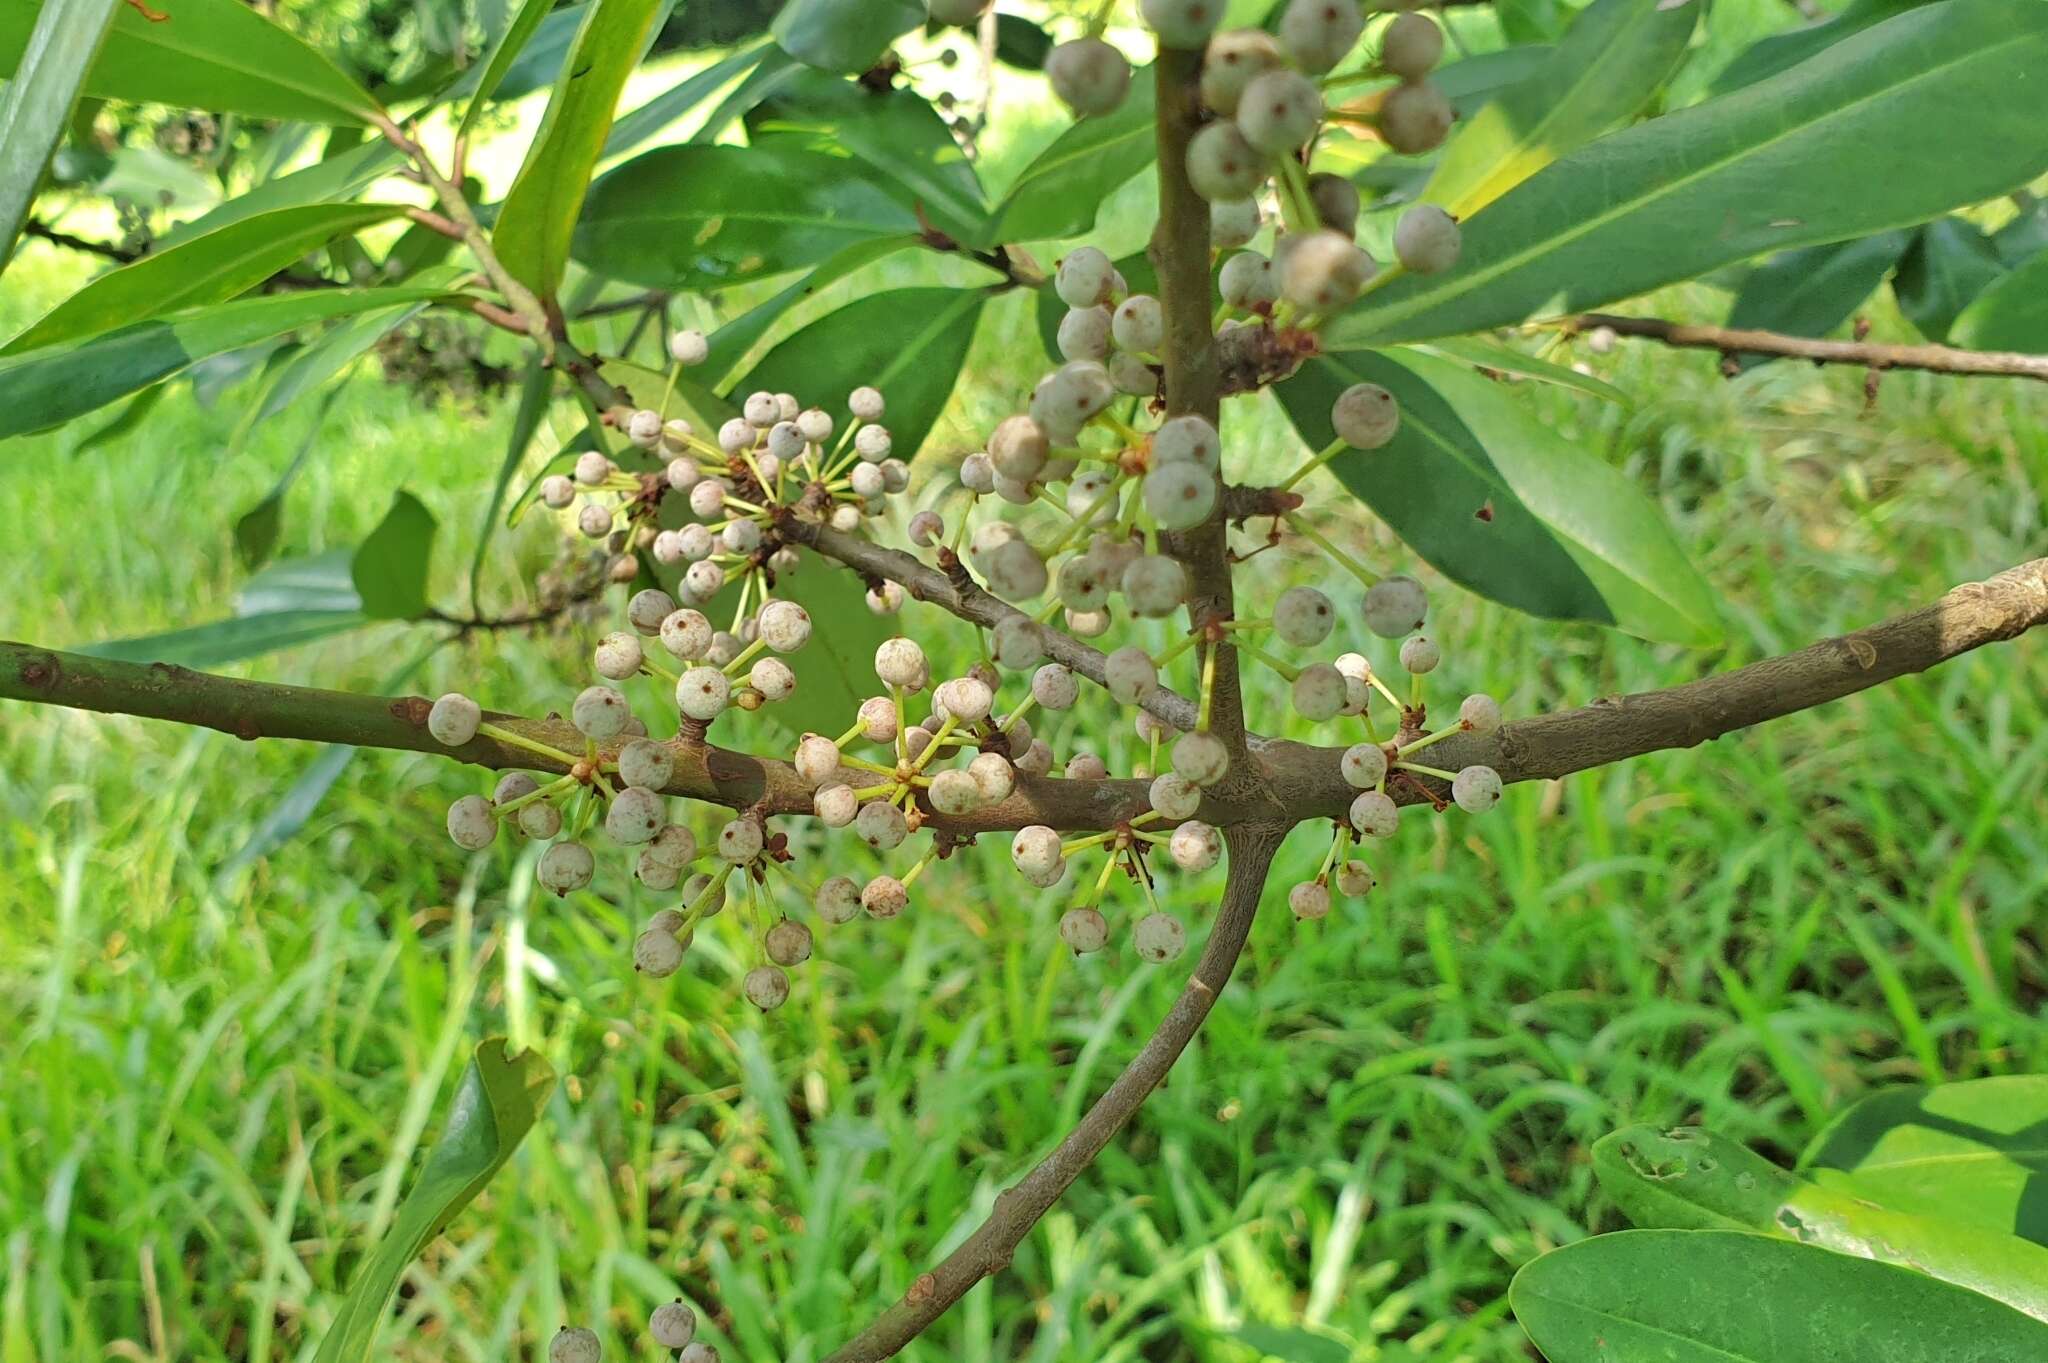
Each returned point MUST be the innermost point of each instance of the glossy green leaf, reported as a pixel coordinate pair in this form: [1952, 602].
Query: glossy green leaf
[731, 343]
[501, 1096]
[206, 269]
[1061, 191]
[1469, 82]
[35, 107]
[2026, 236]
[1948, 265]
[701, 217]
[1782, 51]
[1813, 290]
[1504, 359]
[1504, 506]
[504, 52]
[909, 343]
[342, 176]
[232, 640]
[899, 139]
[657, 114]
[538, 63]
[847, 36]
[205, 54]
[2011, 314]
[1689, 1179]
[1974, 1152]
[1614, 58]
[538, 217]
[1714, 1296]
[774, 70]
[536, 390]
[49, 386]
[1781, 164]
[389, 569]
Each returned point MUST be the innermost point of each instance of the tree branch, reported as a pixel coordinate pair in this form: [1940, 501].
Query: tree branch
[1020, 1207]
[1734, 341]
[120, 255]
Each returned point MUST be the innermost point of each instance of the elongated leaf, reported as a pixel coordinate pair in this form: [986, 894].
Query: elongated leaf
[344, 175]
[1813, 290]
[1021, 43]
[1973, 1152]
[317, 582]
[58, 51]
[538, 64]
[131, 416]
[1780, 164]
[334, 350]
[703, 409]
[1060, 193]
[501, 1096]
[1689, 1179]
[1504, 506]
[257, 529]
[390, 566]
[535, 391]
[2012, 314]
[233, 640]
[1615, 56]
[731, 342]
[1948, 265]
[909, 343]
[49, 386]
[205, 54]
[504, 52]
[775, 70]
[901, 140]
[1507, 360]
[1726, 1297]
[538, 217]
[844, 35]
[206, 269]
[1783, 51]
[655, 116]
[698, 217]
[1470, 82]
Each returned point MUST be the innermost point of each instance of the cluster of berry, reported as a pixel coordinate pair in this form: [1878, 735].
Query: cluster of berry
[673, 1327]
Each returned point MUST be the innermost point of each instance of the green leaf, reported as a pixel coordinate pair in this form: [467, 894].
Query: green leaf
[205, 269]
[536, 67]
[1060, 193]
[847, 36]
[536, 390]
[257, 529]
[1507, 360]
[129, 418]
[775, 70]
[1725, 1297]
[50, 386]
[910, 343]
[1050, 309]
[35, 108]
[1470, 82]
[902, 142]
[702, 408]
[731, 343]
[389, 569]
[1782, 51]
[318, 582]
[702, 217]
[504, 52]
[1615, 57]
[1813, 290]
[837, 669]
[538, 216]
[1778, 165]
[653, 117]
[1948, 265]
[1689, 1179]
[1504, 506]
[342, 176]
[334, 350]
[1971, 1152]
[1021, 43]
[501, 1096]
[231, 640]
[2012, 314]
[206, 54]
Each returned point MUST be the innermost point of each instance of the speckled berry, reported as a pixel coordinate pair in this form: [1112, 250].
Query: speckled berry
[1476, 789]
[1222, 166]
[1375, 814]
[673, 1324]
[767, 988]
[1159, 938]
[1084, 930]
[1234, 58]
[1427, 239]
[565, 866]
[574, 1344]
[454, 718]
[1395, 606]
[599, 712]
[472, 824]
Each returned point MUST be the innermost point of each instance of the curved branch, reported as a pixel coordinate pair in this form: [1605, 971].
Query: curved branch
[1020, 1207]
[1734, 341]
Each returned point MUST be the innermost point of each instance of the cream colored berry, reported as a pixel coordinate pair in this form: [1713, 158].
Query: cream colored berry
[454, 719]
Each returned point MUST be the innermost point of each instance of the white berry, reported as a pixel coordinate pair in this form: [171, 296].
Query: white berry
[1084, 930]
[1476, 789]
[454, 719]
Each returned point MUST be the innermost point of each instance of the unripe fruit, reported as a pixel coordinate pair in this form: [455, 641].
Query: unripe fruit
[565, 866]
[1088, 75]
[1375, 815]
[617, 656]
[1174, 796]
[700, 885]
[657, 955]
[1412, 46]
[1016, 572]
[674, 846]
[697, 1351]
[845, 518]
[707, 498]
[1035, 849]
[773, 678]
[697, 542]
[740, 841]
[1248, 281]
[1084, 930]
[1054, 686]
[703, 580]
[592, 467]
[454, 719]
[513, 785]
[1180, 496]
[1336, 202]
[1081, 586]
[1187, 440]
[1132, 376]
[817, 760]
[689, 347]
[1084, 278]
[1420, 655]
[703, 693]
[1159, 938]
[673, 1325]
[540, 820]
[1303, 617]
[1234, 58]
[1309, 900]
[1085, 333]
[742, 537]
[966, 699]
[767, 988]
[1480, 713]
[926, 528]
[1415, 117]
[866, 403]
[785, 626]
[1364, 765]
[599, 712]
[1139, 323]
[667, 547]
[574, 1344]
[686, 634]
[1195, 846]
[557, 491]
[1017, 643]
[838, 900]
[954, 792]
[1355, 878]
[1232, 223]
[900, 662]
[1476, 789]
[1201, 758]
[648, 609]
[472, 824]
[635, 816]
[1185, 24]
[736, 435]
[1395, 606]
[1319, 692]
[761, 410]
[1037, 759]
[978, 474]
[643, 428]
[724, 647]
[886, 599]
[1130, 675]
[785, 442]
[653, 874]
[1019, 447]
[1323, 272]
[1365, 416]
[878, 719]
[874, 443]
[788, 943]
[881, 825]
[1427, 240]
[1222, 165]
[1154, 585]
[1279, 111]
[1318, 34]
[993, 775]
[622, 569]
[835, 805]
[884, 897]
[594, 521]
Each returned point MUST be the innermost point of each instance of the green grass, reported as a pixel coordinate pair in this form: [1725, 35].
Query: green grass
[216, 1084]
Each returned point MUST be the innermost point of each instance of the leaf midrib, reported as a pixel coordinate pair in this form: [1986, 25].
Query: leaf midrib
[156, 36]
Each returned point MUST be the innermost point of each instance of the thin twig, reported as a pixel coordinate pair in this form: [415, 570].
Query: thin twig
[1734, 341]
